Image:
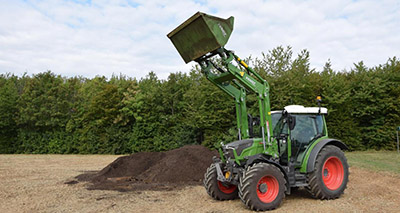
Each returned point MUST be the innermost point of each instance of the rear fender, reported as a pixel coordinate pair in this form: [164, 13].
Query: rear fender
[317, 148]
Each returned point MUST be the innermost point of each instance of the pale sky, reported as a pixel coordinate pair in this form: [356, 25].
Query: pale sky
[89, 38]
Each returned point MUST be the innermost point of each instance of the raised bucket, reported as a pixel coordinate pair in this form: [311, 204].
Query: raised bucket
[201, 34]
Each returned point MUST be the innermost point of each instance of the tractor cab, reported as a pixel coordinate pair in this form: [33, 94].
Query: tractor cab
[297, 128]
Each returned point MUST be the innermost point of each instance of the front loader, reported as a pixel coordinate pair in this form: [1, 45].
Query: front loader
[293, 149]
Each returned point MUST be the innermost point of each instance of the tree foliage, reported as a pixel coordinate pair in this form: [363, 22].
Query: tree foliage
[48, 113]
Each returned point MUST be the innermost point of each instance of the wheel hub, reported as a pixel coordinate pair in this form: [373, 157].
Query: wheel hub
[263, 188]
[326, 173]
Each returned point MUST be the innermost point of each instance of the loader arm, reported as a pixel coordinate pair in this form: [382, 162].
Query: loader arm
[235, 81]
[239, 94]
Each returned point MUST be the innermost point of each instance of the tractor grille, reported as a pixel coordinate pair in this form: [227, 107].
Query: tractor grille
[229, 154]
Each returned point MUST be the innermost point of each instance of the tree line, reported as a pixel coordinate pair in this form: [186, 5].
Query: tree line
[49, 113]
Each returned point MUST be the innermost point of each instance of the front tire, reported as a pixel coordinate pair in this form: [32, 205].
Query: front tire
[330, 176]
[262, 187]
[215, 188]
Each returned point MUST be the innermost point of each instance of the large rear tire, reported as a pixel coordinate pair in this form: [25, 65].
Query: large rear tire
[331, 173]
[216, 189]
[262, 187]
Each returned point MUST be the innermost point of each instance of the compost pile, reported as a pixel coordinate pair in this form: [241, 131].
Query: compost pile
[153, 170]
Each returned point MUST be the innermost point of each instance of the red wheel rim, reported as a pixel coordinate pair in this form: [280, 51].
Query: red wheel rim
[333, 173]
[226, 189]
[267, 189]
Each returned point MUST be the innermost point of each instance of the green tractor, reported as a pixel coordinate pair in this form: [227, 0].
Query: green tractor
[292, 148]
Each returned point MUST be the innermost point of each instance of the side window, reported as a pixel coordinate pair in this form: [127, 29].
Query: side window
[304, 130]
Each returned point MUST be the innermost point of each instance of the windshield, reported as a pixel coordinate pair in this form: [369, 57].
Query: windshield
[279, 125]
[275, 118]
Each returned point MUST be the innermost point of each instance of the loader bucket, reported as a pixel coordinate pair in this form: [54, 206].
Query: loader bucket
[201, 34]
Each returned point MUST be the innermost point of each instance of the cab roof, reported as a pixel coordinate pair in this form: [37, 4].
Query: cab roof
[298, 109]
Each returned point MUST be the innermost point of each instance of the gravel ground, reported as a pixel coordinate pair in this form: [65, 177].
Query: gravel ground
[35, 183]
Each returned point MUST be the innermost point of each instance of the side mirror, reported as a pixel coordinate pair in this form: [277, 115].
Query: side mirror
[292, 122]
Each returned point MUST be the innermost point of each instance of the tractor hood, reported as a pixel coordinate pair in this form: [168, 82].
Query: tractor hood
[240, 145]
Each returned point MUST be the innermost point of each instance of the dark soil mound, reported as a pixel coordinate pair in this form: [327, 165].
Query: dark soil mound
[153, 170]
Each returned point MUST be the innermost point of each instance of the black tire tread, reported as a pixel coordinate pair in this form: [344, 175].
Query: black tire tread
[248, 178]
[209, 183]
[315, 187]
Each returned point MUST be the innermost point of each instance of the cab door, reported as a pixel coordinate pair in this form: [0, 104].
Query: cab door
[308, 128]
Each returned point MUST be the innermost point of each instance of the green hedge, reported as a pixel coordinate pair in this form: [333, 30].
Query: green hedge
[49, 113]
